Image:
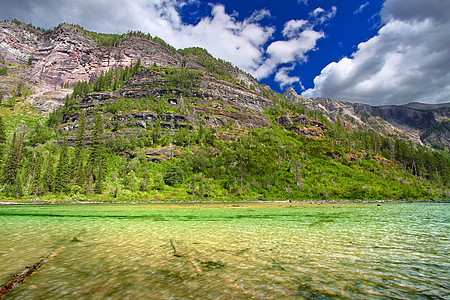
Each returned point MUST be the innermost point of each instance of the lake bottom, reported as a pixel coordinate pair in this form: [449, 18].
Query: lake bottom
[223, 251]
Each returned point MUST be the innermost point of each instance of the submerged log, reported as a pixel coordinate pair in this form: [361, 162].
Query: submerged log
[178, 253]
[29, 270]
[19, 278]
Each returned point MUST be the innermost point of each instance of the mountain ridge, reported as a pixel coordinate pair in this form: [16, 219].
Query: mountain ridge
[422, 123]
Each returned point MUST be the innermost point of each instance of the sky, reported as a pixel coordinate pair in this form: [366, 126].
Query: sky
[369, 51]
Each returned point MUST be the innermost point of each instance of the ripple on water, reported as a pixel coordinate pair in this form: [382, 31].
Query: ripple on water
[125, 252]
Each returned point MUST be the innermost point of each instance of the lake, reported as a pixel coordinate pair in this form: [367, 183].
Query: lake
[228, 251]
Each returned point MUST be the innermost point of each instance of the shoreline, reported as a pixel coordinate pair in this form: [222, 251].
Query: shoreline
[5, 203]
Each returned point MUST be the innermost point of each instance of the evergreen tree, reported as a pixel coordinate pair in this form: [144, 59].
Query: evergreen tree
[2, 132]
[173, 175]
[136, 66]
[97, 159]
[36, 187]
[62, 170]
[2, 138]
[13, 161]
[49, 174]
[78, 158]
[16, 189]
[156, 132]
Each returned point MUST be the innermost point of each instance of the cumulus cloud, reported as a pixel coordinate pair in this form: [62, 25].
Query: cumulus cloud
[300, 38]
[284, 79]
[408, 60]
[294, 27]
[321, 16]
[288, 51]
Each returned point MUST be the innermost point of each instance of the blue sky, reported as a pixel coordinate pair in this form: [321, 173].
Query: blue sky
[354, 22]
[378, 52]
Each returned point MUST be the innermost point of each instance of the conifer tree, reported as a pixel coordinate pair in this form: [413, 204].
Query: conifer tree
[16, 189]
[48, 176]
[156, 132]
[2, 132]
[2, 139]
[13, 161]
[62, 169]
[78, 158]
[36, 187]
[97, 160]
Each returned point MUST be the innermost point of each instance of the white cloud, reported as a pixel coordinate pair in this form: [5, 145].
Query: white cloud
[321, 16]
[289, 51]
[408, 60]
[284, 79]
[293, 28]
[361, 8]
[245, 42]
[301, 38]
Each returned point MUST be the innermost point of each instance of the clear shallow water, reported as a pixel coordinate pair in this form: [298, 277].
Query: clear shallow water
[263, 251]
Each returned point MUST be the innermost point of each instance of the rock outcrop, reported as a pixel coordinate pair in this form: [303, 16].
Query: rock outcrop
[427, 124]
[303, 125]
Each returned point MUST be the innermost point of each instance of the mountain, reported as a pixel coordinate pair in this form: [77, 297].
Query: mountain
[107, 117]
[68, 54]
[427, 124]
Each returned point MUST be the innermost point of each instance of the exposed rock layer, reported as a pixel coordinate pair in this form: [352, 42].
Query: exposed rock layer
[422, 123]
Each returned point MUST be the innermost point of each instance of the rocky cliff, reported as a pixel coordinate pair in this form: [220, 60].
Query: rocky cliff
[427, 124]
[68, 54]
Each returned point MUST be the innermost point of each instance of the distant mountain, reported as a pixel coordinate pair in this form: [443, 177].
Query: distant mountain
[427, 124]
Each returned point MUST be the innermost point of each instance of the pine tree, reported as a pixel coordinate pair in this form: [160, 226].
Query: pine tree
[2, 132]
[36, 187]
[97, 160]
[78, 158]
[156, 132]
[13, 161]
[62, 169]
[48, 176]
[2, 138]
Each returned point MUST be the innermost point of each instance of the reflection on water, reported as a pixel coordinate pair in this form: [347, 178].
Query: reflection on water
[218, 251]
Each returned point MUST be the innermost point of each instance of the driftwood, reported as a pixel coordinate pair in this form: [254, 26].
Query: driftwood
[29, 270]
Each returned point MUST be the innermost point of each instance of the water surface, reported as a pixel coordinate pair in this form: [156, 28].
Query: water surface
[217, 251]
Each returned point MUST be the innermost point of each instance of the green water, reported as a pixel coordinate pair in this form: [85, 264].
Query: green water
[270, 251]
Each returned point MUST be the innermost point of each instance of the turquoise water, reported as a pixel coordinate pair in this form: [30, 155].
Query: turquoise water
[217, 251]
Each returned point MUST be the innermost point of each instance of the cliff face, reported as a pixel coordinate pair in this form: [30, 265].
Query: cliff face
[422, 123]
[67, 55]
[202, 99]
